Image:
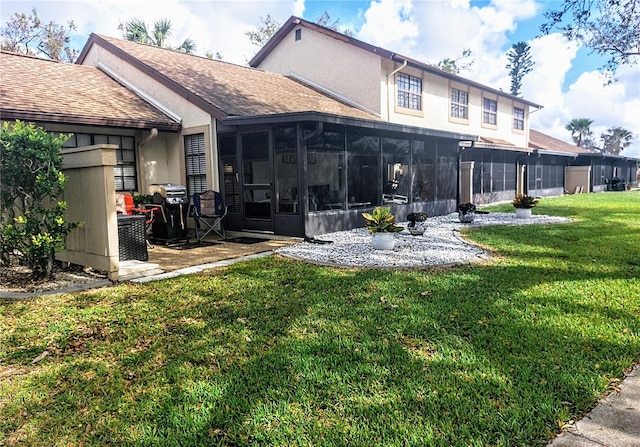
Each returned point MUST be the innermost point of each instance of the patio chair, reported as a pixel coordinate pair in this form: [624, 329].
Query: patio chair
[208, 209]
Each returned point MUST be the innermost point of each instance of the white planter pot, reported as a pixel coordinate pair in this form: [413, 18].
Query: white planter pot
[523, 213]
[383, 241]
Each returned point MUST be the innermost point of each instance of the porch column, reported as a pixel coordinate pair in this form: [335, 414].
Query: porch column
[90, 197]
[466, 181]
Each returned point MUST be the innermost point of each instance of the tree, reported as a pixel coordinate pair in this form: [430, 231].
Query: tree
[136, 30]
[267, 27]
[611, 28]
[616, 140]
[32, 222]
[455, 66]
[27, 34]
[324, 19]
[519, 65]
[579, 128]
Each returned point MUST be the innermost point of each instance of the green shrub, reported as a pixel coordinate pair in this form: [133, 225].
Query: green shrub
[32, 219]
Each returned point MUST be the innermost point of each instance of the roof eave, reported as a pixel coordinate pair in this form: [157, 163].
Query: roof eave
[340, 119]
[26, 115]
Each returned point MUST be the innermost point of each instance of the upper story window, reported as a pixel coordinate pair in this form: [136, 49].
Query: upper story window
[125, 172]
[409, 91]
[518, 118]
[490, 111]
[459, 104]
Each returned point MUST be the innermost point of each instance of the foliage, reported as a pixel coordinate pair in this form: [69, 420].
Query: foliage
[137, 30]
[520, 64]
[524, 201]
[32, 220]
[466, 208]
[380, 220]
[457, 65]
[265, 30]
[268, 26]
[615, 140]
[611, 28]
[27, 34]
[417, 217]
[140, 199]
[579, 128]
[278, 352]
[324, 19]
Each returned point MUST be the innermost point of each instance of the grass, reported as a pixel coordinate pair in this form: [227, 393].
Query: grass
[276, 352]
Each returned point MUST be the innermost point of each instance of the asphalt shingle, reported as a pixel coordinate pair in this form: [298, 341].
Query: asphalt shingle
[32, 86]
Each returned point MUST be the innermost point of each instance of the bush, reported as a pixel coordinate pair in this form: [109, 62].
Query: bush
[32, 219]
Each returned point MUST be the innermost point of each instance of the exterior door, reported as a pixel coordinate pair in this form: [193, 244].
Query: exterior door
[257, 182]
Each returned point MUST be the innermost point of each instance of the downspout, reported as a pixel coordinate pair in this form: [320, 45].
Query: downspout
[153, 134]
[404, 64]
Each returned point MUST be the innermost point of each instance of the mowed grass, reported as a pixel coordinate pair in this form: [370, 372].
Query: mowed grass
[277, 352]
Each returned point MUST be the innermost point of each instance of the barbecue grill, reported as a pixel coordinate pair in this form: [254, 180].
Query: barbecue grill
[170, 224]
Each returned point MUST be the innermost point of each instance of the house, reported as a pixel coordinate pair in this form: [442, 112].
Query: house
[294, 153]
[500, 163]
[108, 123]
[289, 158]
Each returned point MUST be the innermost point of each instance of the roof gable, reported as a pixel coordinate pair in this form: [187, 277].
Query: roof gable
[221, 88]
[37, 89]
[293, 22]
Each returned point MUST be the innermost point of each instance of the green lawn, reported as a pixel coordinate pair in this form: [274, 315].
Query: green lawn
[276, 352]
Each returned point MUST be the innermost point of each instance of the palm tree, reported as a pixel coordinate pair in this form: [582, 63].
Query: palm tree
[616, 140]
[579, 128]
[136, 30]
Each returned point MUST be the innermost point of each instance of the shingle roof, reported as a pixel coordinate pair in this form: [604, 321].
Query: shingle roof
[221, 88]
[539, 140]
[38, 89]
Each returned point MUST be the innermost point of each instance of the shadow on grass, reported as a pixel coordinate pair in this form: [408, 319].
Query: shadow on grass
[276, 352]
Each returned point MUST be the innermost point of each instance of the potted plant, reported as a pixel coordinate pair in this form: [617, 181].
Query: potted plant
[466, 212]
[523, 204]
[413, 218]
[381, 224]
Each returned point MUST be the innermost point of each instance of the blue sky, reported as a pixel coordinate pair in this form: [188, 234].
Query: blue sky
[565, 79]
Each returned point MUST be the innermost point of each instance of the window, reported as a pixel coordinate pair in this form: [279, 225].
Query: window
[490, 111]
[195, 163]
[459, 104]
[518, 118]
[409, 92]
[298, 34]
[126, 179]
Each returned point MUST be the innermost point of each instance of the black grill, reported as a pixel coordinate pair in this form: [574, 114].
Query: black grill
[170, 222]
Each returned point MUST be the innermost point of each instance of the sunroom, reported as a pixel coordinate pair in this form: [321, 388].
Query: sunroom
[309, 174]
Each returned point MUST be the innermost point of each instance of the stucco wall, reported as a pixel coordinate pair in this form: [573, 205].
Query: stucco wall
[436, 107]
[333, 64]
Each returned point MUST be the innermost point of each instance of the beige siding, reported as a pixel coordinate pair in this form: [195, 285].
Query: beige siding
[334, 65]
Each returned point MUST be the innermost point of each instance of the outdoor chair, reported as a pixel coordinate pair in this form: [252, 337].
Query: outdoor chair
[208, 209]
[125, 206]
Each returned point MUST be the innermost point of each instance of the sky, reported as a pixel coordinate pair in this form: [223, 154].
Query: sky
[565, 79]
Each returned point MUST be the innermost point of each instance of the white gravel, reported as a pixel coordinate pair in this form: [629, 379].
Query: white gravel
[441, 244]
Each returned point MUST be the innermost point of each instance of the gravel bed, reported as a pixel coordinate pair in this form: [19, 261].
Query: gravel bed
[441, 244]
